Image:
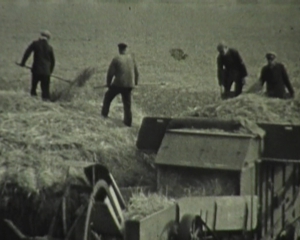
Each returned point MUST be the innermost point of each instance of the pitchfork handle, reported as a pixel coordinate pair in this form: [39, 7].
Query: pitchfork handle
[59, 78]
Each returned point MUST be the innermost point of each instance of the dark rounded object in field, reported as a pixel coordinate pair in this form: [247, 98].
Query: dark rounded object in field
[178, 54]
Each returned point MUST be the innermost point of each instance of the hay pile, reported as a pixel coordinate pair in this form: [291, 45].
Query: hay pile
[68, 92]
[36, 139]
[142, 205]
[40, 141]
[179, 181]
[252, 107]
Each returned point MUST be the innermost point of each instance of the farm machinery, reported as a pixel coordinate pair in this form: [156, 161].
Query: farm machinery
[262, 166]
[228, 184]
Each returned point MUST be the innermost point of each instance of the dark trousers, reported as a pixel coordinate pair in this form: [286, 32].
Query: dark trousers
[233, 77]
[45, 85]
[111, 93]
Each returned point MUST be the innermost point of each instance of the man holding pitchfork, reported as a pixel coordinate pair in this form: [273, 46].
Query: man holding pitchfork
[122, 77]
[43, 64]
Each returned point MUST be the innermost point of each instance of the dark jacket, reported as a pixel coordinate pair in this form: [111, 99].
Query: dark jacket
[122, 72]
[231, 61]
[277, 79]
[43, 58]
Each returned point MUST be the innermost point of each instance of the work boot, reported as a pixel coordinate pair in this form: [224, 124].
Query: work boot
[127, 124]
[103, 116]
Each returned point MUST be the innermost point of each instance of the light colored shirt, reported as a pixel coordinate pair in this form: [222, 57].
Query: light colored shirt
[122, 71]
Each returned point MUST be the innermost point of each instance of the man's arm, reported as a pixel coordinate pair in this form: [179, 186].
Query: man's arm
[52, 59]
[243, 68]
[286, 80]
[110, 72]
[220, 71]
[262, 77]
[27, 54]
[136, 72]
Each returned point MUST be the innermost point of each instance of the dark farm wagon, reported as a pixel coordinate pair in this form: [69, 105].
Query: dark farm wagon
[261, 166]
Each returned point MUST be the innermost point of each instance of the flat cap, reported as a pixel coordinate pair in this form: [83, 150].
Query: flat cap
[46, 33]
[122, 45]
[270, 55]
[221, 45]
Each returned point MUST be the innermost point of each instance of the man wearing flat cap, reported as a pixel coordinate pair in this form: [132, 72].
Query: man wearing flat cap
[43, 64]
[122, 77]
[230, 69]
[275, 76]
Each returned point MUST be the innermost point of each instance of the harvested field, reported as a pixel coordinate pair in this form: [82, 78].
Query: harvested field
[40, 143]
[38, 138]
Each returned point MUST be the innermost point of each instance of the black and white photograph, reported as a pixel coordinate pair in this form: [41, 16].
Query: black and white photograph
[149, 119]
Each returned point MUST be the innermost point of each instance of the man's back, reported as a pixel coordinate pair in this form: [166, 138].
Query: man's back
[43, 58]
[232, 61]
[123, 69]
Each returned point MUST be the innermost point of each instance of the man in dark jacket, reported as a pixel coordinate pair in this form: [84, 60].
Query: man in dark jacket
[276, 78]
[122, 76]
[231, 69]
[43, 64]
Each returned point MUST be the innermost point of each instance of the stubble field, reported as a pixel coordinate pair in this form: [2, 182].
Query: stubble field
[37, 138]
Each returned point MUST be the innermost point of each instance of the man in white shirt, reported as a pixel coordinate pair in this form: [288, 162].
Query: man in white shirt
[122, 77]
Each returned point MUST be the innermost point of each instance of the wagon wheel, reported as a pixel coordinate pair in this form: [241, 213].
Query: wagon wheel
[188, 228]
[88, 233]
[191, 228]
